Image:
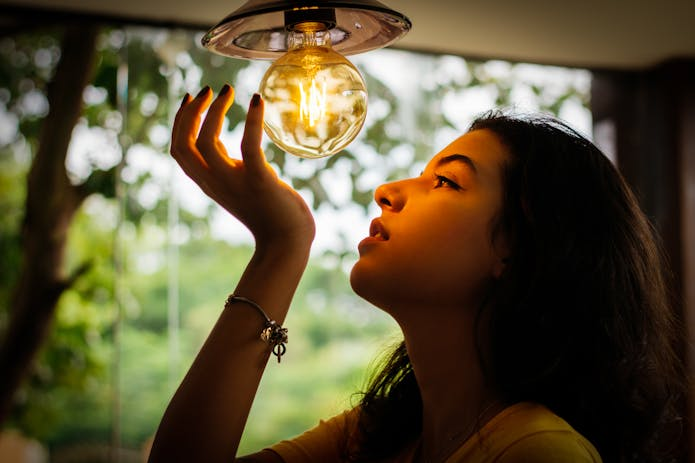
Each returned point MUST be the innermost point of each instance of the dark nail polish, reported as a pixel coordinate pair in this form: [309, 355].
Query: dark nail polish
[185, 100]
[224, 90]
[204, 91]
[255, 100]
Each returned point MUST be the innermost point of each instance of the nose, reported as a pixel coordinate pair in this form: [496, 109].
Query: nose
[390, 196]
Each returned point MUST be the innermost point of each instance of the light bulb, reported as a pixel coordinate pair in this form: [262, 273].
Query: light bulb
[315, 99]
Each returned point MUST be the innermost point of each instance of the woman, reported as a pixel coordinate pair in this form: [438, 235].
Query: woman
[525, 279]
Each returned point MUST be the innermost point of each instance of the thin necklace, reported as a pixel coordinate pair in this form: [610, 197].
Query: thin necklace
[455, 440]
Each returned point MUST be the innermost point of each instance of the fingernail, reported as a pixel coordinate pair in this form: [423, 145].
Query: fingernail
[224, 90]
[185, 99]
[204, 91]
[255, 100]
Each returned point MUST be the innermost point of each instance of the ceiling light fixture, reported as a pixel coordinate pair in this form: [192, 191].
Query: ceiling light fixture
[315, 99]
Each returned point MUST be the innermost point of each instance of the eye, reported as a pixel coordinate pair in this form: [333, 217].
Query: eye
[441, 180]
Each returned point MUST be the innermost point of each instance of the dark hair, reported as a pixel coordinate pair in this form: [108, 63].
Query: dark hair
[581, 320]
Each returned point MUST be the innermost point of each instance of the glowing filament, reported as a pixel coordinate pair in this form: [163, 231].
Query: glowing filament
[312, 104]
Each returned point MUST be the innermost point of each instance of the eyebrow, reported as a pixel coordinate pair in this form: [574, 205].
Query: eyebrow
[458, 158]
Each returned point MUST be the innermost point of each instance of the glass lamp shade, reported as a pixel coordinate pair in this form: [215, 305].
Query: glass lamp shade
[258, 29]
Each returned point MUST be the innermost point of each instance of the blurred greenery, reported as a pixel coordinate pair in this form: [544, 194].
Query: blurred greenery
[159, 266]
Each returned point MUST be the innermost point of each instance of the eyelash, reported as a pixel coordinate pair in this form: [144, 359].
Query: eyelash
[442, 180]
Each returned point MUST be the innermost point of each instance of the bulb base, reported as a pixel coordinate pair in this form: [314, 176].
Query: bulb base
[296, 19]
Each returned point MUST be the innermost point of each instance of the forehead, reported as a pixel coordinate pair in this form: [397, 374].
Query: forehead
[483, 147]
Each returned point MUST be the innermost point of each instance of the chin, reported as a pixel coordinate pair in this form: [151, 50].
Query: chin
[365, 284]
[375, 287]
[358, 280]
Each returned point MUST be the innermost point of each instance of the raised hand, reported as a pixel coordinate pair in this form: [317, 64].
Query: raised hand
[206, 416]
[248, 187]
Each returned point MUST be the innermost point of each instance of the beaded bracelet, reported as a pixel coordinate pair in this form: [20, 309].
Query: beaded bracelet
[273, 334]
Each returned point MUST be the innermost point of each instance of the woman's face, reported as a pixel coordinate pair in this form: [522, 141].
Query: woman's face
[432, 243]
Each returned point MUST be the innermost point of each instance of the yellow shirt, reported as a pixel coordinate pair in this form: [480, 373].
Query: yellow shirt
[522, 433]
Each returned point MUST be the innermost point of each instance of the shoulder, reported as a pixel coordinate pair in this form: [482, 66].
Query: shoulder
[550, 447]
[531, 433]
[325, 443]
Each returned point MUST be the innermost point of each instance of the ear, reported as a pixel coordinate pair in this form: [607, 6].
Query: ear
[499, 267]
[502, 251]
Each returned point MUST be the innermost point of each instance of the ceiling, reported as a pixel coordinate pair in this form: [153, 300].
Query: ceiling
[615, 34]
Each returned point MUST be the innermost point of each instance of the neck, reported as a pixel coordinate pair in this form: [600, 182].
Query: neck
[455, 399]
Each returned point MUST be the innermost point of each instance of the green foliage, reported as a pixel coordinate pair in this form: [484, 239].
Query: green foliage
[27, 62]
[74, 364]
[11, 196]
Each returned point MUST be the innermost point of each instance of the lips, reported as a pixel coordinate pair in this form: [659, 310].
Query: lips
[377, 235]
[377, 230]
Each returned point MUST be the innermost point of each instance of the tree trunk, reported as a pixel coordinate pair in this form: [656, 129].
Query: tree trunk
[50, 207]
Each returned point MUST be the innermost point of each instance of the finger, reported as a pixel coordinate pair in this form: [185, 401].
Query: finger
[208, 142]
[185, 130]
[251, 151]
[182, 148]
[186, 99]
[188, 122]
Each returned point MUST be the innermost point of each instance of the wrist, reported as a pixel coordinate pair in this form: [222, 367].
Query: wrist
[286, 247]
[272, 276]
[287, 256]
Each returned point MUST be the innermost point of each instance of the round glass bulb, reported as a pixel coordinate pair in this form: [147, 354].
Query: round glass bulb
[315, 99]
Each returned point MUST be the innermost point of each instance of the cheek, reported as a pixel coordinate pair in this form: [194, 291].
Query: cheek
[453, 254]
[464, 242]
